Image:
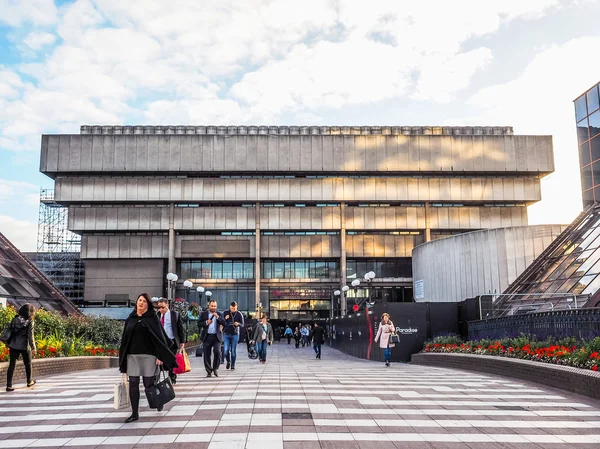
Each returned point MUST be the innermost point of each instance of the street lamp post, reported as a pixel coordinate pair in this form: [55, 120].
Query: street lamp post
[337, 294]
[208, 295]
[171, 282]
[344, 307]
[369, 278]
[355, 283]
[187, 285]
[200, 291]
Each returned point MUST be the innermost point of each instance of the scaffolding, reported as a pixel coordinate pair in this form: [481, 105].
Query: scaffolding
[58, 249]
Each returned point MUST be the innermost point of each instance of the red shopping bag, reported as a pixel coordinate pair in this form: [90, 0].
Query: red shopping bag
[180, 364]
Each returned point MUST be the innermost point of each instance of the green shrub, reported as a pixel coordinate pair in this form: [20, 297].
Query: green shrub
[49, 323]
[6, 315]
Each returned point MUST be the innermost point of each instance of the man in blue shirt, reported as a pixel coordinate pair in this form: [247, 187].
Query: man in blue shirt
[231, 334]
[209, 325]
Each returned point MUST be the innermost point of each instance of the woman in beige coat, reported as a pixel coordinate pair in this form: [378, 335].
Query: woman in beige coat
[386, 328]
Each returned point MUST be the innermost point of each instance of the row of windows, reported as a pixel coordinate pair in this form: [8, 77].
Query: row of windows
[587, 103]
[294, 269]
[589, 151]
[588, 128]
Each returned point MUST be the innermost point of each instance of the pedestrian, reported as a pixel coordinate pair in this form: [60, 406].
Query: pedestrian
[21, 343]
[263, 336]
[231, 334]
[144, 350]
[297, 337]
[386, 328]
[288, 334]
[210, 325]
[318, 336]
[172, 323]
[304, 333]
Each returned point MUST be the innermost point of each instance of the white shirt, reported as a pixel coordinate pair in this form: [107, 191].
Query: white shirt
[167, 326]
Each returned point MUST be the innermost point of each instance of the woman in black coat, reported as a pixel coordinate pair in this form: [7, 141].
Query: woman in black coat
[143, 349]
[21, 343]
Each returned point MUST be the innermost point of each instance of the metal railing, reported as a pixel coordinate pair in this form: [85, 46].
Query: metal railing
[508, 304]
[583, 324]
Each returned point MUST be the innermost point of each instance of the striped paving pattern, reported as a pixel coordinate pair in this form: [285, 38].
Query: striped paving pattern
[295, 401]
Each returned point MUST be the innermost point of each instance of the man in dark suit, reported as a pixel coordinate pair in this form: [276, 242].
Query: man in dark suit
[210, 325]
[172, 324]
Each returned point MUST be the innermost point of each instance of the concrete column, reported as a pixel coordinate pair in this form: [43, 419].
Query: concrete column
[342, 257]
[171, 261]
[257, 263]
[427, 232]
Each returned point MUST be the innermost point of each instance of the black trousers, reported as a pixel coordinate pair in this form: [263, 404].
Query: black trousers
[213, 344]
[134, 391]
[14, 356]
[174, 349]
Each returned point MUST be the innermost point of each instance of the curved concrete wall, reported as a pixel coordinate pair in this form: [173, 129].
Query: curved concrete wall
[467, 265]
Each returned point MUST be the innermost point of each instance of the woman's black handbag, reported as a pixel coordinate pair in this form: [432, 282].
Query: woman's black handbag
[199, 350]
[161, 392]
[394, 338]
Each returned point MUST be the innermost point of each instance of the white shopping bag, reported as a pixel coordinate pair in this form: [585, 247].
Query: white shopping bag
[121, 393]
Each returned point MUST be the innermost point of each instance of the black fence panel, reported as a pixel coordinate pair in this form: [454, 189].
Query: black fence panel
[414, 322]
[583, 324]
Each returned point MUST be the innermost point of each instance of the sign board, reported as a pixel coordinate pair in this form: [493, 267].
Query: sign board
[3, 302]
[419, 290]
[299, 294]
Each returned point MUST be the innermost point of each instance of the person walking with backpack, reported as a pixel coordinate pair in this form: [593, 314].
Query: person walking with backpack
[21, 343]
[386, 329]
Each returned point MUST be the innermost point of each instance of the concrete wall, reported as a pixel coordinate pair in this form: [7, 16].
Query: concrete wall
[152, 218]
[123, 277]
[481, 262]
[471, 189]
[317, 153]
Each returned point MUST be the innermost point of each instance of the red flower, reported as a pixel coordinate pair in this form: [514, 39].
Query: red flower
[595, 368]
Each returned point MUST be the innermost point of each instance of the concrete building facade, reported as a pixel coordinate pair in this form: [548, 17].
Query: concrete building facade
[282, 216]
[477, 263]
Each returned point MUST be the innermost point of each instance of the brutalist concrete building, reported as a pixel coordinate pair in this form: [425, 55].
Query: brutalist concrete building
[282, 215]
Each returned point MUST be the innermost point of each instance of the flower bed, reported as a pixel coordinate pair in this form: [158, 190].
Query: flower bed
[569, 352]
[74, 336]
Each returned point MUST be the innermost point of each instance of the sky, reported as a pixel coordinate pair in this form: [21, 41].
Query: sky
[280, 62]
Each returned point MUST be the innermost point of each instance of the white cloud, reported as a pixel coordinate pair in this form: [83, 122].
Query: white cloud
[16, 190]
[37, 12]
[540, 102]
[22, 234]
[38, 39]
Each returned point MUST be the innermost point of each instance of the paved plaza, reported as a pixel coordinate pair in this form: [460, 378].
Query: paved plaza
[295, 401]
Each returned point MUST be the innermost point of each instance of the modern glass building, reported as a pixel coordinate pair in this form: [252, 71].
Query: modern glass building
[282, 216]
[587, 115]
[21, 282]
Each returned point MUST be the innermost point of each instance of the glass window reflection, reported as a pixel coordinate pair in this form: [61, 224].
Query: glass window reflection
[592, 99]
[580, 108]
[585, 156]
[595, 148]
[586, 178]
[594, 124]
[582, 132]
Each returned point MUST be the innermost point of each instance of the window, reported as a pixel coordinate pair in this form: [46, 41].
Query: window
[300, 269]
[594, 121]
[586, 178]
[383, 268]
[592, 99]
[582, 131]
[595, 149]
[580, 108]
[217, 269]
[584, 153]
